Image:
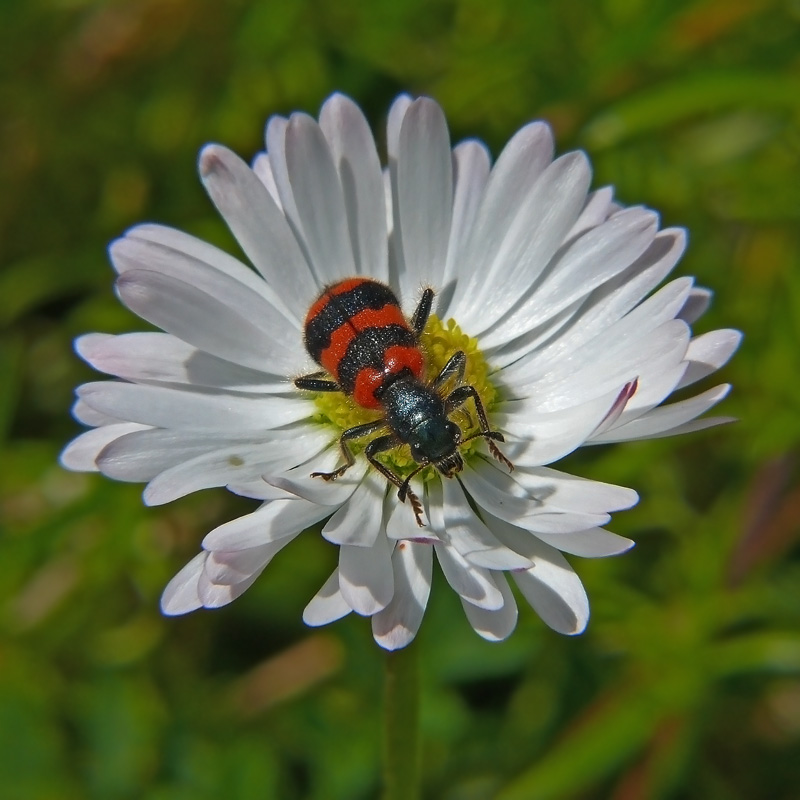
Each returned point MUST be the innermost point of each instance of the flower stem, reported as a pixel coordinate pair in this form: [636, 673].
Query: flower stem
[401, 725]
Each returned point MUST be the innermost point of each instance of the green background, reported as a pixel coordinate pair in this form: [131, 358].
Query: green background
[687, 683]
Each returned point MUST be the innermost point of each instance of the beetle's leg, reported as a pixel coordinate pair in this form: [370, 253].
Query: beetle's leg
[317, 382]
[455, 366]
[386, 443]
[356, 432]
[460, 396]
[422, 312]
[405, 487]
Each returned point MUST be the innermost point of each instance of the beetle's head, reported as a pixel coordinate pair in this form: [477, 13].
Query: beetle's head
[436, 441]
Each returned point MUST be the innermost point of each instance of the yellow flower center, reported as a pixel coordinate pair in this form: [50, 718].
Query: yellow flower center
[438, 342]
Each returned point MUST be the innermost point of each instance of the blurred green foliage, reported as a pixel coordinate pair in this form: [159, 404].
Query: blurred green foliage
[687, 684]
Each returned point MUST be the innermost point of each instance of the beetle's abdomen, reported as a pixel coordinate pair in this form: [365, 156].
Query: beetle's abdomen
[357, 332]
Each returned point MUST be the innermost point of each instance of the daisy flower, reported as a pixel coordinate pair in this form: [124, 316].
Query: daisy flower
[549, 289]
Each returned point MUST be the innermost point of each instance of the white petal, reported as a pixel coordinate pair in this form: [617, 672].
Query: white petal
[403, 525]
[233, 463]
[497, 625]
[398, 623]
[327, 605]
[534, 438]
[520, 164]
[144, 453]
[468, 580]
[393, 126]
[693, 426]
[81, 453]
[664, 420]
[596, 210]
[557, 596]
[86, 415]
[180, 595]
[501, 496]
[658, 382]
[475, 584]
[217, 595]
[696, 304]
[471, 168]
[170, 251]
[607, 304]
[276, 150]
[538, 338]
[607, 363]
[594, 543]
[187, 258]
[387, 201]
[394, 123]
[424, 194]
[258, 490]
[588, 262]
[366, 578]
[259, 226]
[164, 407]
[274, 520]
[564, 491]
[356, 160]
[525, 539]
[358, 521]
[707, 353]
[553, 589]
[538, 228]
[263, 170]
[470, 537]
[226, 321]
[234, 566]
[178, 255]
[162, 358]
[320, 202]
[617, 297]
[646, 318]
[619, 406]
[300, 482]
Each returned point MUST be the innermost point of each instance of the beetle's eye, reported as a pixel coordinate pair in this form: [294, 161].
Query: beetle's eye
[417, 455]
[455, 432]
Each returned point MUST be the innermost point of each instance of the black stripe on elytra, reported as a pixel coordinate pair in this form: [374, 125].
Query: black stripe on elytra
[367, 350]
[342, 307]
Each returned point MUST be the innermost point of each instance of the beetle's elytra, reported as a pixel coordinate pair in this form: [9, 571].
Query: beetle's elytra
[357, 333]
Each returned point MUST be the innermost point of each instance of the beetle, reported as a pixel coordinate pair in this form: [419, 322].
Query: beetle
[356, 331]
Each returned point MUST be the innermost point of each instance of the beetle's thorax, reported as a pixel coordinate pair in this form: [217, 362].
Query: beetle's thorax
[416, 415]
[408, 403]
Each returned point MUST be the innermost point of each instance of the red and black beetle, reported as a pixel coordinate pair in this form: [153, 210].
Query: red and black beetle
[356, 331]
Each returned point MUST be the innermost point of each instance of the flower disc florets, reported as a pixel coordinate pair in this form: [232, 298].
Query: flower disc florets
[438, 342]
